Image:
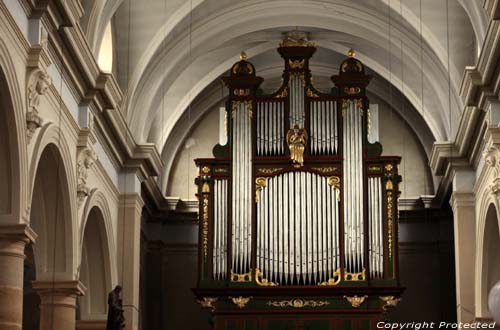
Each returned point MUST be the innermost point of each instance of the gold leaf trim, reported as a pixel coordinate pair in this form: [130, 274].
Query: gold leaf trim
[298, 303]
[329, 169]
[269, 170]
[205, 226]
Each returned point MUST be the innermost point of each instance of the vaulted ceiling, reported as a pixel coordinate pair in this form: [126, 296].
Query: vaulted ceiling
[169, 54]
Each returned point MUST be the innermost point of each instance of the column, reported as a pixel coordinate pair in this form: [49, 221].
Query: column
[462, 202]
[58, 303]
[13, 239]
[129, 239]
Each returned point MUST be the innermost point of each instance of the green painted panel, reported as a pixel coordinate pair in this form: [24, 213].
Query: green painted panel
[346, 325]
[232, 325]
[249, 325]
[280, 325]
[365, 325]
[316, 325]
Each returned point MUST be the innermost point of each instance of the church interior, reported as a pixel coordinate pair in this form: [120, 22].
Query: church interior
[249, 165]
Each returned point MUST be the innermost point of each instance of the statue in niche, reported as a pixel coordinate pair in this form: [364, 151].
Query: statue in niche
[36, 89]
[116, 320]
[297, 140]
[86, 161]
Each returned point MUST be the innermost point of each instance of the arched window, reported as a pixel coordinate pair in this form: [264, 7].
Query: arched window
[105, 58]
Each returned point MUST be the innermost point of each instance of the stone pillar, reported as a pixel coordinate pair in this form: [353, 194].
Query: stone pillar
[58, 303]
[463, 205]
[129, 239]
[13, 239]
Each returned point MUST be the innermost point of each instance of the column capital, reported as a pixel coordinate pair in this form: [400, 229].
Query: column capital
[18, 232]
[462, 199]
[75, 288]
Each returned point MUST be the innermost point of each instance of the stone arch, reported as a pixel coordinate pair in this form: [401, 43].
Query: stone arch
[488, 245]
[13, 155]
[53, 202]
[97, 199]
[95, 268]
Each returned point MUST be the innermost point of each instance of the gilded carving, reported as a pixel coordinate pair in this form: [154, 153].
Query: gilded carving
[269, 170]
[374, 169]
[296, 64]
[208, 302]
[205, 170]
[298, 303]
[334, 181]
[356, 301]
[240, 301]
[239, 278]
[260, 183]
[353, 277]
[297, 140]
[311, 93]
[334, 280]
[389, 301]
[205, 226]
[259, 278]
[390, 214]
[86, 160]
[329, 169]
[388, 167]
[38, 86]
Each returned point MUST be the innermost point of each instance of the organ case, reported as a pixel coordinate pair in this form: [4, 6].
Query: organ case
[298, 211]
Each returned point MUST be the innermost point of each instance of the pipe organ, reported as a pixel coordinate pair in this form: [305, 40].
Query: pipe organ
[298, 211]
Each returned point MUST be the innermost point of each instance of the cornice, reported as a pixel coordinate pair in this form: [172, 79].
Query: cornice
[492, 8]
[69, 50]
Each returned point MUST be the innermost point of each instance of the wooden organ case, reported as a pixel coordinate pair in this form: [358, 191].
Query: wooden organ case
[298, 211]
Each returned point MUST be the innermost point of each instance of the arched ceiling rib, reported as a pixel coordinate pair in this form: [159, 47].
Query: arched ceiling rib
[166, 67]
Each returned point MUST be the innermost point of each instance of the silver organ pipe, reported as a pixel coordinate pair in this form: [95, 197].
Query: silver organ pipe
[299, 244]
[241, 189]
[353, 188]
[270, 128]
[220, 230]
[323, 127]
[297, 92]
[375, 218]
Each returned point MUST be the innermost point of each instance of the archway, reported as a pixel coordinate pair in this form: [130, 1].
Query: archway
[49, 260]
[93, 270]
[490, 266]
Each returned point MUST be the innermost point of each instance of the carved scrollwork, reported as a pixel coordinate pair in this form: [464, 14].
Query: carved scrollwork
[208, 302]
[86, 160]
[38, 84]
[356, 301]
[240, 301]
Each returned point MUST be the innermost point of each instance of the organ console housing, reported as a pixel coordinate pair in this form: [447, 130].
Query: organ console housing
[298, 211]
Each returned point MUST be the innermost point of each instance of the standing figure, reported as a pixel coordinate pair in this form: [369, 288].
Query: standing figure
[297, 140]
[116, 320]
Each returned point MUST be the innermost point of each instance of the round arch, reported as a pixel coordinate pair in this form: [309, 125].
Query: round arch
[97, 200]
[488, 245]
[53, 204]
[13, 153]
[95, 268]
